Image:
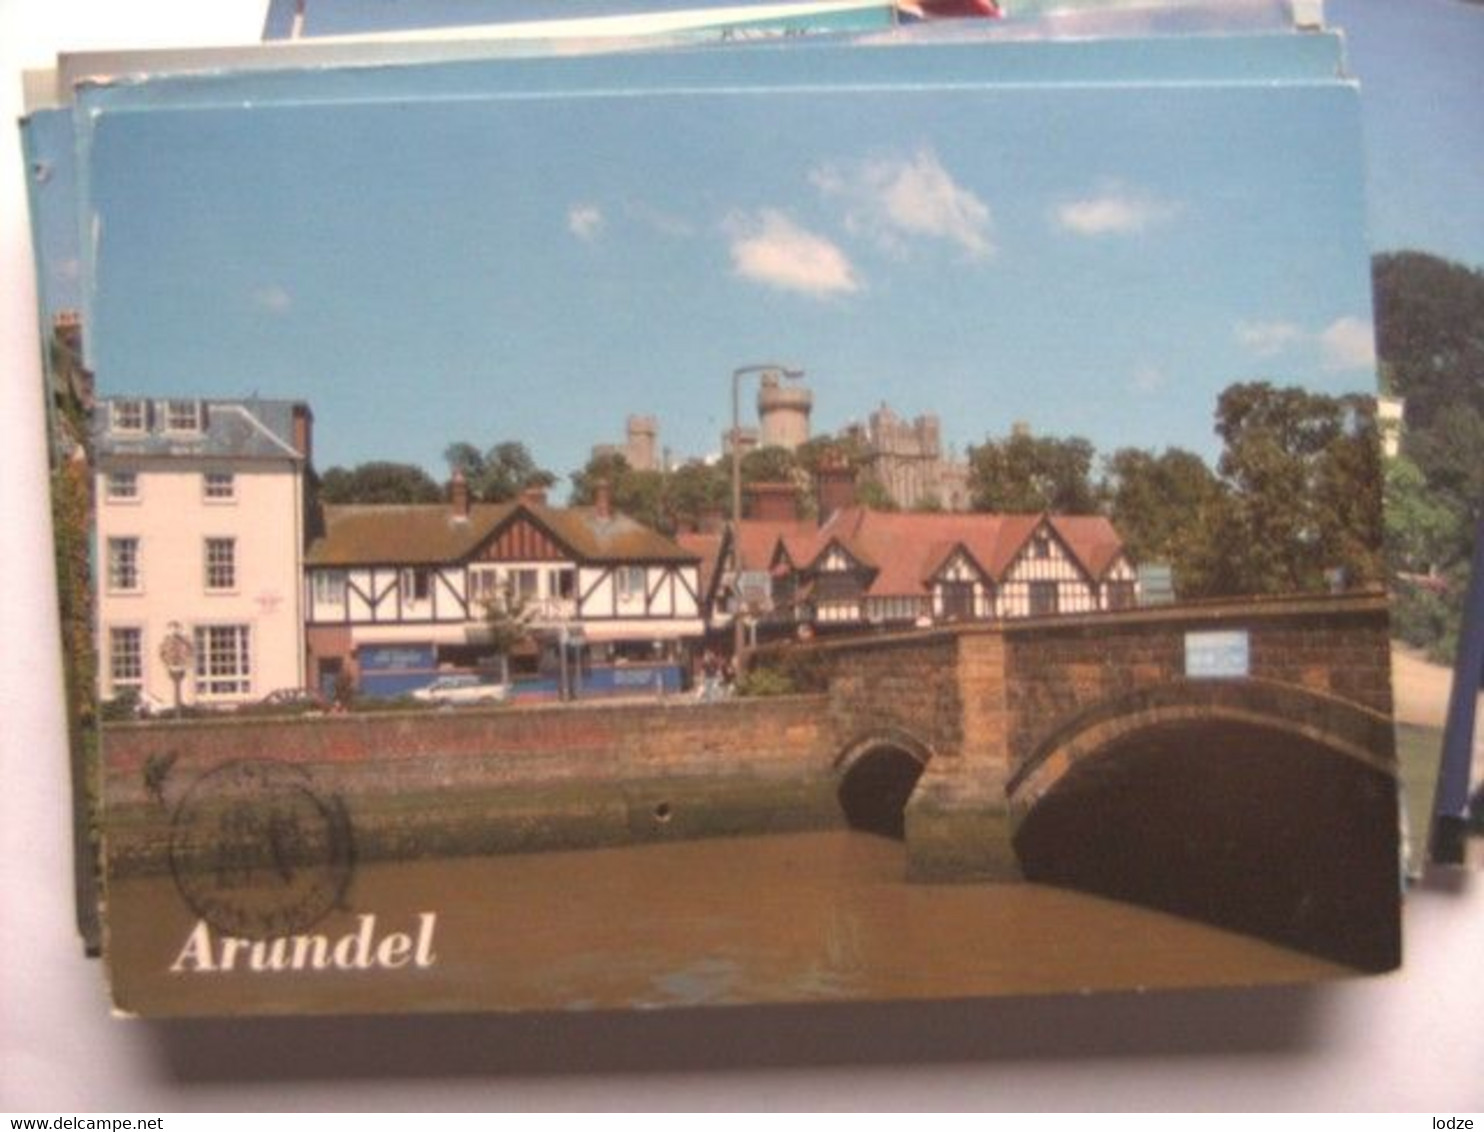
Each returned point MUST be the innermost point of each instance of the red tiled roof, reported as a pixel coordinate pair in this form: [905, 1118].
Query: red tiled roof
[906, 549]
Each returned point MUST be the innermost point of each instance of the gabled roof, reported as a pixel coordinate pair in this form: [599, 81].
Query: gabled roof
[907, 550]
[425, 534]
[707, 547]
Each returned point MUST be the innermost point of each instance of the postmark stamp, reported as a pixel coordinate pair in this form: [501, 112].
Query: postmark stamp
[258, 851]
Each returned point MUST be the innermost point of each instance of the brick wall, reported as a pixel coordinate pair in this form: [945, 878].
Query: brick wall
[1056, 669]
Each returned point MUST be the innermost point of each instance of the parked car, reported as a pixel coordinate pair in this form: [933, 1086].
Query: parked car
[463, 688]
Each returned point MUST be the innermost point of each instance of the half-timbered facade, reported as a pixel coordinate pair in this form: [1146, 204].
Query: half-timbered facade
[402, 590]
[865, 568]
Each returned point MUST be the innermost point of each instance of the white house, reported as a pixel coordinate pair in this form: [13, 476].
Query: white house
[394, 592]
[200, 520]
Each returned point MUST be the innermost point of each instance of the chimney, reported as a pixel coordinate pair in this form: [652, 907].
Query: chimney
[304, 432]
[458, 494]
[533, 495]
[835, 486]
[772, 502]
[603, 499]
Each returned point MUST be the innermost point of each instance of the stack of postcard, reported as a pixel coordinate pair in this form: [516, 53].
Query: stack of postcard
[769, 504]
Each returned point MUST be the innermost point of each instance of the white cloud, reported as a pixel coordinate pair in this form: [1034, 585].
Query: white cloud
[1115, 210]
[585, 221]
[1345, 344]
[1269, 339]
[1148, 379]
[1348, 343]
[769, 248]
[274, 299]
[893, 200]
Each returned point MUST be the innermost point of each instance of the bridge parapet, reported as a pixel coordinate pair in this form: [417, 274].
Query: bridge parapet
[1056, 669]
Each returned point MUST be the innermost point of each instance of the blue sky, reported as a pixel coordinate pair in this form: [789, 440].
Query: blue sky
[1094, 262]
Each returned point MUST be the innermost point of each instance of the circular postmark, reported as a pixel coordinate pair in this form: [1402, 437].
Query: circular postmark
[257, 852]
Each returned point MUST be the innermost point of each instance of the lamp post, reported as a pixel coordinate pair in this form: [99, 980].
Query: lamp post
[792, 374]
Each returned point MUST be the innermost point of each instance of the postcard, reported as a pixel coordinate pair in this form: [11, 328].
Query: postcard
[823, 533]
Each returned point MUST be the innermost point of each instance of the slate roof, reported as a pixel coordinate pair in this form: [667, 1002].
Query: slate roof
[248, 429]
[426, 534]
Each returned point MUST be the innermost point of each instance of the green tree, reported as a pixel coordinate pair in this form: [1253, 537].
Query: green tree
[1301, 503]
[1025, 473]
[378, 481]
[1430, 335]
[1160, 504]
[638, 494]
[500, 473]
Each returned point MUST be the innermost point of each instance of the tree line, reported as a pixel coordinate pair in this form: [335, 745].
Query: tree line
[1292, 505]
[1430, 340]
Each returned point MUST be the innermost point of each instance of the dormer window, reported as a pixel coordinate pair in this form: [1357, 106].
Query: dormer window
[126, 415]
[182, 416]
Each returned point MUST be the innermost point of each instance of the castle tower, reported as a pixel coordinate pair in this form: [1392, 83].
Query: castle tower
[783, 412]
[641, 443]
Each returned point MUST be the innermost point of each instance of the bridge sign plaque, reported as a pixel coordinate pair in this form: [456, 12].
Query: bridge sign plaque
[1217, 655]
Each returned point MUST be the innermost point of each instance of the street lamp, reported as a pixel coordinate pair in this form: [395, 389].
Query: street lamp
[792, 374]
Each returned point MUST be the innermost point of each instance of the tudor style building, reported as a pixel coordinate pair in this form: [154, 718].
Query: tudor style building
[200, 533]
[393, 593]
[863, 568]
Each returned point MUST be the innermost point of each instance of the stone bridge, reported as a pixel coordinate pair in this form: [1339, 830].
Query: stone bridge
[1233, 761]
[1159, 755]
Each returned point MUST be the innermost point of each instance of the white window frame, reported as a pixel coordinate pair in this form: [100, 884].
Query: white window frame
[328, 586]
[181, 414]
[407, 581]
[114, 486]
[219, 574]
[128, 414]
[223, 661]
[485, 584]
[124, 566]
[135, 682]
[624, 579]
[219, 487]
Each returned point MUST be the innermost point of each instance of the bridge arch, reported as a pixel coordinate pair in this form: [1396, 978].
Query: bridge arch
[1269, 809]
[1340, 726]
[876, 773]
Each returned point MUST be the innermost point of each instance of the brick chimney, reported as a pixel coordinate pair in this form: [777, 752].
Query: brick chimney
[834, 485]
[458, 494]
[772, 502]
[603, 499]
[303, 431]
[533, 495]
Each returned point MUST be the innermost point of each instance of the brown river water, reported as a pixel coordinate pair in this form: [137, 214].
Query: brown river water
[782, 918]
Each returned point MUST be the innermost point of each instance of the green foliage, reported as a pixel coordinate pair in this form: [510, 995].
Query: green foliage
[1301, 498]
[1160, 504]
[765, 682]
[783, 670]
[379, 481]
[1025, 474]
[498, 474]
[1422, 532]
[769, 465]
[1430, 338]
[638, 494]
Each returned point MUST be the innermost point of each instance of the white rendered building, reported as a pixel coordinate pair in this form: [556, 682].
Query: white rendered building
[200, 545]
